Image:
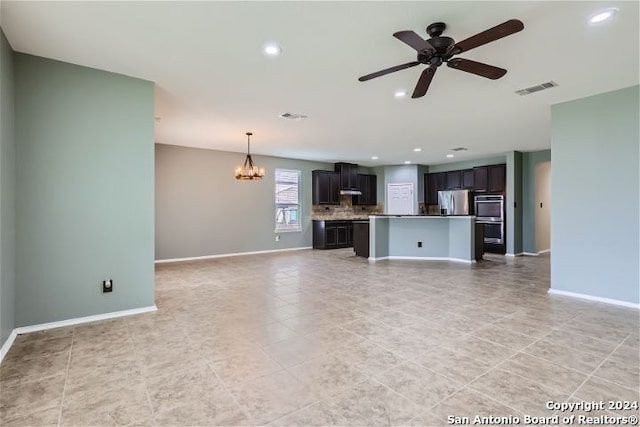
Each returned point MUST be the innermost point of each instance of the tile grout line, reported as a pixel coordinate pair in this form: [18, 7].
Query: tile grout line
[466, 385]
[222, 382]
[589, 375]
[144, 378]
[66, 376]
[598, 367]
[315, 399]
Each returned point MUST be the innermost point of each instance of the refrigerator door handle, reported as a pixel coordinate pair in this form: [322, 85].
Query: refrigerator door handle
[453, 205]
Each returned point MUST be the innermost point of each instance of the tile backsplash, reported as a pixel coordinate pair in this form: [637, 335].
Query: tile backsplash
[345, 210]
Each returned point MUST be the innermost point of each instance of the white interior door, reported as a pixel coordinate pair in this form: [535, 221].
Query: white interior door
[543, 206]
[400, 199]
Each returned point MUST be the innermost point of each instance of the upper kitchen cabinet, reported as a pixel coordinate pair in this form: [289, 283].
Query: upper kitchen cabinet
[348, 175]
[325, 187]
[497, 178]
[454, 180]
[491, 178]
[467, 179]
[367, 185]
[480, 178]
[433, 182]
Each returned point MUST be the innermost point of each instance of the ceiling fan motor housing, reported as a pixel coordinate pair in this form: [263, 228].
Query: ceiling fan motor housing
[441, 44]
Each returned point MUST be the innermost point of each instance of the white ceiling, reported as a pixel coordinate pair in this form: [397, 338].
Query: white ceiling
[213, 83]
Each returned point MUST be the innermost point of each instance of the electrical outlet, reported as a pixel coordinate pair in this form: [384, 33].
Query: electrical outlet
[277, 237]
[107, 286]
[419, 244]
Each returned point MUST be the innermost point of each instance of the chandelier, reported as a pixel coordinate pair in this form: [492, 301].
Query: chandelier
[249, 172]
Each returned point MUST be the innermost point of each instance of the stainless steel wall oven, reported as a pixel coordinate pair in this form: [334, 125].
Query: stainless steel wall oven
[490, 212]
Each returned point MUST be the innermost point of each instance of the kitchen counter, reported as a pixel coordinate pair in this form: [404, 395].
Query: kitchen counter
[425, 216]
[427, 237]
[338, 218]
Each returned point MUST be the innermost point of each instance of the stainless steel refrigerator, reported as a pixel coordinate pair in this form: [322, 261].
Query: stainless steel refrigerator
[455, 202]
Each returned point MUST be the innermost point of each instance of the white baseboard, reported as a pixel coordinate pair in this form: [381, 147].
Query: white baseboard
[69, 322]
[7, 344]
[594, 298]
[87, 319]
[514, 255]
[196, 258]
[420, 258]
[544, 251]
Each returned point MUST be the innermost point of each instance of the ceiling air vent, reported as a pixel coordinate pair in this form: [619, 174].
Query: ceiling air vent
[292, 116]
[537, 88]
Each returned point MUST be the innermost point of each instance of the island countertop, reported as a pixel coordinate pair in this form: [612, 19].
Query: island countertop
[427, 237]
[424, 216]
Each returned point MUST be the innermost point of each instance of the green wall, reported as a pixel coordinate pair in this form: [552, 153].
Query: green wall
[595, 187]
[7, 191]
[85, 178]
[513, 202]
[202, 210]
[529, 162]
[467, 164]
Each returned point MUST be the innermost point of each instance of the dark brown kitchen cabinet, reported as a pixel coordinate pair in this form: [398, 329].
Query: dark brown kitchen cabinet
[480, 178]
[497, 178]
[348, 175]
[361, 238]
[433, 182]
[332, 234]
[491, 179]
[467, 179]
[325, 188]
[454, 180]
[367, 185]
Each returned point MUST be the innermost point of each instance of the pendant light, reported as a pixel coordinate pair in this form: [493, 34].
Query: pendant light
[249, 172]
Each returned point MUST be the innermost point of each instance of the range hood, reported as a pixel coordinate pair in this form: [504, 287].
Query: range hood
[350, 193]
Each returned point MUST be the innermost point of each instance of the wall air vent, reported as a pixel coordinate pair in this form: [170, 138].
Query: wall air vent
[292, 116]
[459, 149]
[537, 88]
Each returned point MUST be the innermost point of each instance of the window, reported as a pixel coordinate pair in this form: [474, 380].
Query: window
[287, 200]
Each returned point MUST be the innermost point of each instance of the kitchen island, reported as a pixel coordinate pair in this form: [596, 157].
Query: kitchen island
[426, 237]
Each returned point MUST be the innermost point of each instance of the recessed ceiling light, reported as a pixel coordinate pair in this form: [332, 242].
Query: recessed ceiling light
[374, 157]
[449, 155]
[272, 49]
[603, 15]
[407, 162]
[417, 150]
[400, 94]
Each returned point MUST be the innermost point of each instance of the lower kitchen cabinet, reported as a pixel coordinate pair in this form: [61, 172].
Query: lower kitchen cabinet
[332, 234]
[361, 238]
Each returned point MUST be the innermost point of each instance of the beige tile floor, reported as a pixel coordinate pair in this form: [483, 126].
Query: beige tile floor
[325, 338]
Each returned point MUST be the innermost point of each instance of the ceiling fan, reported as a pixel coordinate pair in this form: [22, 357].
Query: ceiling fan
[439, 49]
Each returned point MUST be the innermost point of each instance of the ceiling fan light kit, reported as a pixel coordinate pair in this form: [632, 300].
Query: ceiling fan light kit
[439, 49]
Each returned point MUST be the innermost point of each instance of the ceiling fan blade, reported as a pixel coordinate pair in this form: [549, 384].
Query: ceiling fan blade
[423, 82]
[484, 70]
[492, 34]
[388, 70]
[415, 41]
